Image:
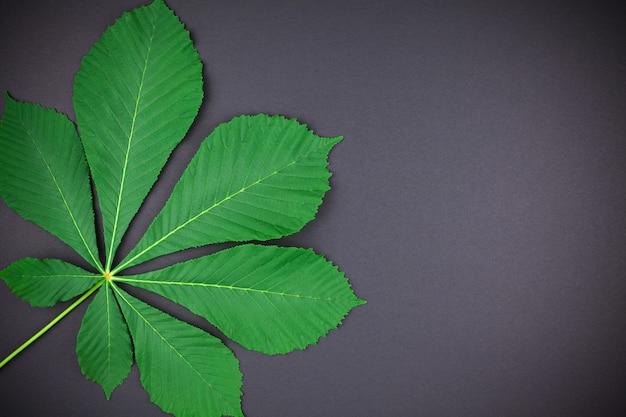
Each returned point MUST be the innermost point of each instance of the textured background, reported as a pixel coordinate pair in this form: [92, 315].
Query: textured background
[478, 201]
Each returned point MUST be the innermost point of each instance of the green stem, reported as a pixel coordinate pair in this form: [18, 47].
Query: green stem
[52, 323]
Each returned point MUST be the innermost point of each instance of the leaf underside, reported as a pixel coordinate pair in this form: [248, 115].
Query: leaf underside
[254, 178]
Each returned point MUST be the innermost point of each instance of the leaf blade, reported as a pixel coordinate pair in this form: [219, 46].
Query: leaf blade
[44, 175]
[135, 95]
[103, 345]
[267, 298]
[254, 178]
[201, 375]
[45, 282]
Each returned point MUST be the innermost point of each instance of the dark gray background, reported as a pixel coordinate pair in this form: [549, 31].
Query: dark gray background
[478, 201]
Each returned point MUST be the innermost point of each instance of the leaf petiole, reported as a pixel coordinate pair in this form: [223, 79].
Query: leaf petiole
[52, 323]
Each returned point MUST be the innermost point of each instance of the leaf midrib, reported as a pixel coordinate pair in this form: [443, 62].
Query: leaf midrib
[109, 333]
[221, 286]
[58, 276]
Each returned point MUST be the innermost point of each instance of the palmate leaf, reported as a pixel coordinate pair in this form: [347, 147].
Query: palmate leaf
[44, 175]
[135, 96]
[185, 370]
[267, 298]
[103, 345]
[254, 178]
